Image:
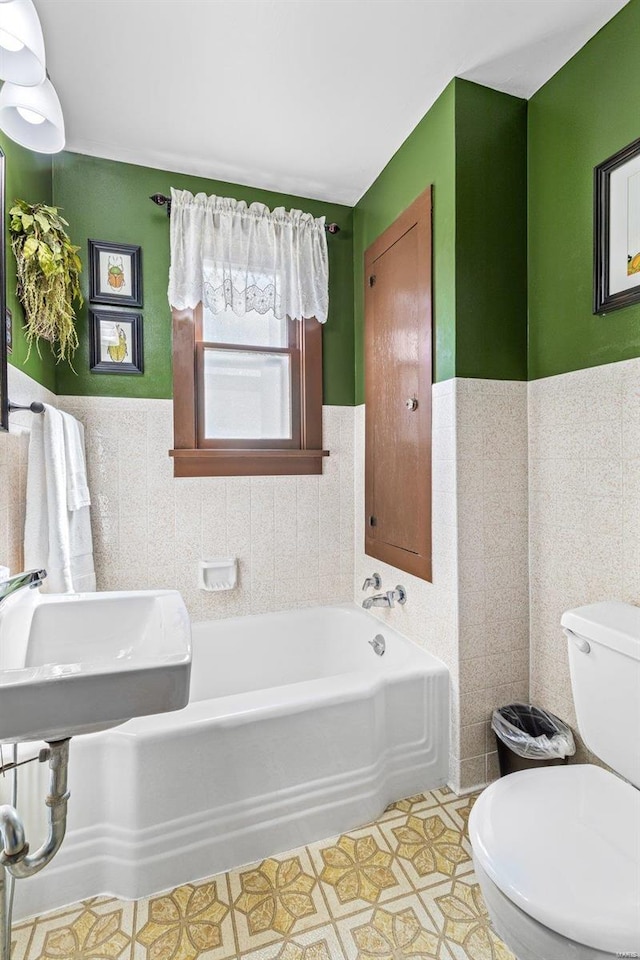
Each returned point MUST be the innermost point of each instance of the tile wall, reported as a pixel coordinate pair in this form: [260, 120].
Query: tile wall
[13, 476]
[293, 536]
[572, 537]
[584, 492]
[493, 575]
[474, 615]
[430, 615]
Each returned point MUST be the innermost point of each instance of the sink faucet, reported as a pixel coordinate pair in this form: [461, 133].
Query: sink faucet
[388, 599]
[30, 578]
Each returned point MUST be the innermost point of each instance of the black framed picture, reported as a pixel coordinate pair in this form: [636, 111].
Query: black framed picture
[9, 330]
[115, 340]
[617, 230]
[115, 273]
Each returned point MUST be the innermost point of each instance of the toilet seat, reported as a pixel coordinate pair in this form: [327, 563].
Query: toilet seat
[563, 844]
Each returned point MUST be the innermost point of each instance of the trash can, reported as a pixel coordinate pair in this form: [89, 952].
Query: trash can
[530, 737]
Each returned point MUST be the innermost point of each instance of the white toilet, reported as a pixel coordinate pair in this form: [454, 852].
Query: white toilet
[557, 850]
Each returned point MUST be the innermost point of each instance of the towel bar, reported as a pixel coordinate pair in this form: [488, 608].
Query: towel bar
[35, 407]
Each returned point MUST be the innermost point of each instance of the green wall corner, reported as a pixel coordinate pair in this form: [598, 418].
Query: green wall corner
[28, 177]
[584, 114]
[500, 311]
[471, 146]
[426, 157]
[491, 233]
[109, 200]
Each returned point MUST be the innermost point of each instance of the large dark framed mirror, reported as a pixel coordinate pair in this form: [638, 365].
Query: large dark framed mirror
[4, 386]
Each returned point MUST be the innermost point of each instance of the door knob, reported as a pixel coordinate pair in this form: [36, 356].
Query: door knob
[411, 404]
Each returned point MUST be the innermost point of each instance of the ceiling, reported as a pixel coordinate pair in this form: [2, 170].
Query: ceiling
[310, 97]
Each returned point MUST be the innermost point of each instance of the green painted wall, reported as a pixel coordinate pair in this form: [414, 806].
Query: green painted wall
[491, 233]
[471, 146]
[28, 177]
[585, 113]
[427, 156]
[106, 200]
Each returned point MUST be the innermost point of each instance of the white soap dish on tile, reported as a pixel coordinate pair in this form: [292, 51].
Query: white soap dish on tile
[218, 574]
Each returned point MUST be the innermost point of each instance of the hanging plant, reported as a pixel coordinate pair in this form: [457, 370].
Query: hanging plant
[48, 268]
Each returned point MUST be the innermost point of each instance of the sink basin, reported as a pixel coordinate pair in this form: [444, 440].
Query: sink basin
[78, 663]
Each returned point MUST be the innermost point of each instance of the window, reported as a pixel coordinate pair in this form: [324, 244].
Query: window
[247, 385]
[247, 394]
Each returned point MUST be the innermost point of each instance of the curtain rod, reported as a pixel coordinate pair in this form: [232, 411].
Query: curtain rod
[161, 201]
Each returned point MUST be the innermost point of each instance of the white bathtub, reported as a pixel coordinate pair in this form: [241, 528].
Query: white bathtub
[296, 730]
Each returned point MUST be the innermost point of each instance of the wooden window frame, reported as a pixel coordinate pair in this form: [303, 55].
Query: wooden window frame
[196, 456]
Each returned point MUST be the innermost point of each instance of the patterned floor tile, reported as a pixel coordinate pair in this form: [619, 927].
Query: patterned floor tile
[401, 887]
[97, 901]
[402, 929]
[188, 923]
[442, 794]
[277, 898]
[357, 870]
[429, 845]
[459, 809]
[20, 940]
[459, 912]
[421, 801]
[101, 931]
[319, 944]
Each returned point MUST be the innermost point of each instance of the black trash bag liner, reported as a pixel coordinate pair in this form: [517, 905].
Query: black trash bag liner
[532, 732]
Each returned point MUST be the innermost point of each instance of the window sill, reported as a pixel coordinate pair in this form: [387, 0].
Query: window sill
[247, 463]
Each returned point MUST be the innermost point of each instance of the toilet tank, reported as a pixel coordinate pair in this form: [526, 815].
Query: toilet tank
[604, 660]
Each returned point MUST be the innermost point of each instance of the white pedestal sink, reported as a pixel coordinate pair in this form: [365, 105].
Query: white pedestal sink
[72, 664]
[78, 663]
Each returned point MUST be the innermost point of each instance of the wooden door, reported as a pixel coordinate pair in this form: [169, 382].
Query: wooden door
[398, 392]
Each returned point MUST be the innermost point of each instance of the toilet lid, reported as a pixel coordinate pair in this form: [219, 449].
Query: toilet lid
[563, 844]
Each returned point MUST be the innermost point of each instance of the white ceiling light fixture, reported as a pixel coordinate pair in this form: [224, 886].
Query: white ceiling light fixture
[22, 56]
[32, 116]
[30, 112]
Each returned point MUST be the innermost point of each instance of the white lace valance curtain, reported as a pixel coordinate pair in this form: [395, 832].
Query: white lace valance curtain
[241, 258]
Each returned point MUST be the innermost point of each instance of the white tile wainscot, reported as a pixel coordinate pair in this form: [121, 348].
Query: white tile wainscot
[474, 615]
[532, 515]
[293, 536]
[430, 615]
[584, 492]
[493, 569]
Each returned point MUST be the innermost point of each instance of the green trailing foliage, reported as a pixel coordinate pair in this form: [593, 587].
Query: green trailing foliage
[48, 268]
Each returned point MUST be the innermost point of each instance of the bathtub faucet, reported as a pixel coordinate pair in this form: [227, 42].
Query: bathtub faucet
[374, 581]
[388, 599]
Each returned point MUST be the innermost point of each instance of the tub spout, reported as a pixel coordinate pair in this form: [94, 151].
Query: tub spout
[388, 599]
[377, 600]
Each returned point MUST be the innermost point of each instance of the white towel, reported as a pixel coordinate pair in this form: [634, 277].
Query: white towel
[77, 489]
[56, 537]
